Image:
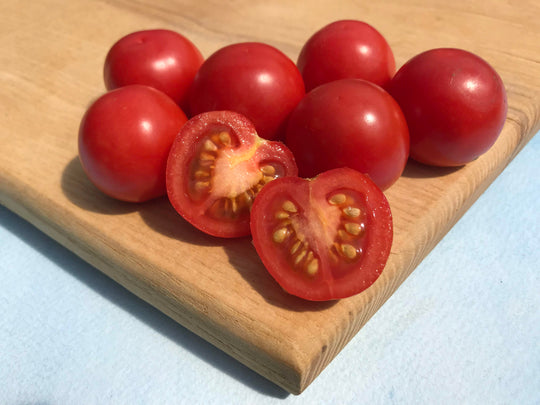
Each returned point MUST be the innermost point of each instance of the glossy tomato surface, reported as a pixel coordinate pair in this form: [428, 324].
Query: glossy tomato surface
[253, 79]
[454, 103]
[349, 123]
[346, 49]
[216, 167]
[124, 141]
[326, 238]
[163, 59]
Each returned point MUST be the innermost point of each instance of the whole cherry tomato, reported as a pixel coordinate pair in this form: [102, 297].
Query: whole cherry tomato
[253, 79]
[217, 165]
[325, 238]
[124, 141]
[163, 59]
[454, 103]
[349, 123]
[346, 49]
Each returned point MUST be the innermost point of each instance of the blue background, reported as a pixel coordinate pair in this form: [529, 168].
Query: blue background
[463, 328]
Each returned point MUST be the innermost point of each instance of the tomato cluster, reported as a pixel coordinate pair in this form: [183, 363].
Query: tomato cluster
[226, 139]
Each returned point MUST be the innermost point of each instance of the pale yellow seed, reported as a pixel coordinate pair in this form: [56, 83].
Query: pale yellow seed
[225, 138]
[289, 206]
[282, 215]
[313, 267]
[280, 235]
[337, 199]
[353, 228]
[206, 156]
[201, 185]
[268, 170]
[295, 247]
[209, 146]
[352, 212]
[300, 256]
[234, 205]
[201, 174]
[266, 179]
[348, 250]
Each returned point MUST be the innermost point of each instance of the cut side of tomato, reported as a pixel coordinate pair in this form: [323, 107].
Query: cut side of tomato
[325, 238]
[216, 167]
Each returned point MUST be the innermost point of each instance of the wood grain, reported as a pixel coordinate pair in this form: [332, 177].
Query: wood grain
[51, 55]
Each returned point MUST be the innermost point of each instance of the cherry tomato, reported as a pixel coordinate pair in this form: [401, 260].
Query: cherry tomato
[349, 123]
[454, 103]
[159, 58]
[346, 49]
[325, 238]
[124, 141]
[216, 167]
[253, 79]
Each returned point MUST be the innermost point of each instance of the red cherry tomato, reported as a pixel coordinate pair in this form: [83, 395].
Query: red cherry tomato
[349, 123]
[253, 79]
[162, 59]
[346, 49]
[216, 167]
[124, 141]
[323, 239]
[454, 103]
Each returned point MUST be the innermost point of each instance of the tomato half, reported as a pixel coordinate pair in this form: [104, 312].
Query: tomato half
[346, 49]
[253, 79]
[216, 167]
[124, 141]
[163, 59]
[325, 238]
[455, 105]
[349, 123]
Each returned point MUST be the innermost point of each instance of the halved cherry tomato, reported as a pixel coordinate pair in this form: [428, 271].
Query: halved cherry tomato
[325, 238]
[216, 167]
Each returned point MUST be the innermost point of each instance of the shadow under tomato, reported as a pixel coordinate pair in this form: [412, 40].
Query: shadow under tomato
[81, 191]
[415, 169]
[244, 258]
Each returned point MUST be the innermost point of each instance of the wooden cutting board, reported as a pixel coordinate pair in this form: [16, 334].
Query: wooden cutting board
[51, 55]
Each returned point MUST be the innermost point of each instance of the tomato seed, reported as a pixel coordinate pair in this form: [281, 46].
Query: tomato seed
[210, 146]
[313, 267]
[224, 138]
[337, 199]
[289, 206]
[268, 170]
[352, 212]
[348, 250]
[280, 235]
[353, 228]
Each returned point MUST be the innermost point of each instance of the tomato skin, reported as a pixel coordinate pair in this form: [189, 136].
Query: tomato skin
[163, 59]
[253, 79]
[124, 141]
[319, 213]
[349, 123]
[346, 49]
[455, 105]
[233, 172]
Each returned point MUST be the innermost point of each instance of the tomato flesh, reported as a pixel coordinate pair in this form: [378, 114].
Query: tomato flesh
[216, 167]
[325, 238]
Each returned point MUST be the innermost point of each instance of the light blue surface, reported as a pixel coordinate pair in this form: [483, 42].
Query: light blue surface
[464, 328]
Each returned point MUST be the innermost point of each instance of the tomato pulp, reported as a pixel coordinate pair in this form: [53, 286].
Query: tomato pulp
[325, 238]
[216, 167]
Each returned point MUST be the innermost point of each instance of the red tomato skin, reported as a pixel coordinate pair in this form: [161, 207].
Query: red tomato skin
[379, 234]
[124, 141]
[346, 49]
[184, 150]
[349, 123]
[163, 59]
[253, 79]
[455, 105]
